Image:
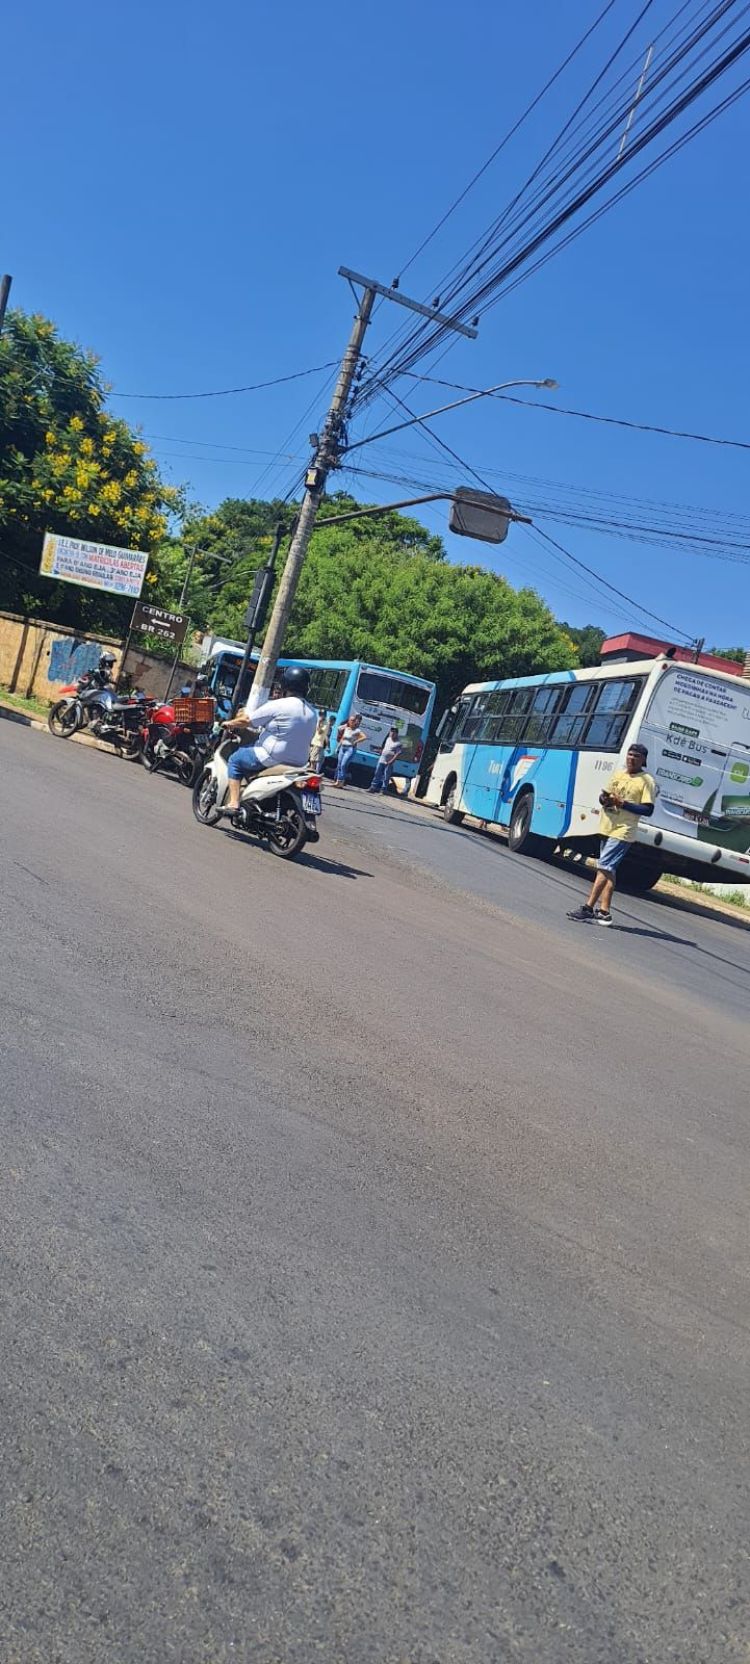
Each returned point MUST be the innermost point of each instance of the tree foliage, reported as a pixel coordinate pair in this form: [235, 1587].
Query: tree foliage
[379, 589]
[68, 466]
[587, 639]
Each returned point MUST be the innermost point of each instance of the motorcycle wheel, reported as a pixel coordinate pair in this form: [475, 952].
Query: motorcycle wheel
[62, 720]
[132, 748]
[185, 767]
[204, 799]
[287, 836]
[148, 758]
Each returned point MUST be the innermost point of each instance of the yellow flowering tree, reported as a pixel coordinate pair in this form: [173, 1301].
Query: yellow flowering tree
[67, 465]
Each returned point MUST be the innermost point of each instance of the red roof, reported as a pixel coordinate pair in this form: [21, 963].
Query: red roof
[647, 647]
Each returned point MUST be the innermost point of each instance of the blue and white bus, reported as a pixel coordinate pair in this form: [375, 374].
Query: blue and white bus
[532, 755]
[384, 699]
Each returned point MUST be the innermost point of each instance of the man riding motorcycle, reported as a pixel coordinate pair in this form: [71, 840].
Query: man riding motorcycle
[286, 727]
[102, 676]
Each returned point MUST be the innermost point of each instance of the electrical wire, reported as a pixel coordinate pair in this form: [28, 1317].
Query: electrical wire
[567, 194]
[592, 416]
[224, 392]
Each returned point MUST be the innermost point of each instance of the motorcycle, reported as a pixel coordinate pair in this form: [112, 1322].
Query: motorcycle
[280, 805]
[88, 704]
[175, 746]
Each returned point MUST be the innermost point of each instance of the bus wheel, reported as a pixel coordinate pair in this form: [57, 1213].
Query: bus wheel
[521, 839]
[639, 877]
[451, 814]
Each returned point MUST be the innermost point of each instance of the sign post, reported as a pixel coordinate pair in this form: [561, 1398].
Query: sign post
[156, 621]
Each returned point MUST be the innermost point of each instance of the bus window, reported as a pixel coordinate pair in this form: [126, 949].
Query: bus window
[374, 687]
[327, 688]
[545, 706]
[610, 718]
[567, 728]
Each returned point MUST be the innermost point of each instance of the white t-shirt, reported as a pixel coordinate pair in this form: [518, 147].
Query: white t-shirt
[287, 727]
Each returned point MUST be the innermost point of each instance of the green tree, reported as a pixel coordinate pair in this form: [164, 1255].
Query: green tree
[67, 466]
[588, 639]
[738, 654]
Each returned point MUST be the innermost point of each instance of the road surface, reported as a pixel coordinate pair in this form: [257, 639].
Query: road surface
[374, 1241]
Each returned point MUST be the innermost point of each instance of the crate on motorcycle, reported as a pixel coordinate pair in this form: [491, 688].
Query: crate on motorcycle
[199, 712]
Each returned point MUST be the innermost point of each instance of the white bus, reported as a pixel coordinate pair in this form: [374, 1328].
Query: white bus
[533, 753]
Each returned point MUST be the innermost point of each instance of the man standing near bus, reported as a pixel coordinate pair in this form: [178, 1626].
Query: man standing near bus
[629, 794]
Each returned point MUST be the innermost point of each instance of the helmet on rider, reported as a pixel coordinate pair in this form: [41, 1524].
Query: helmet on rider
[106, 661]
[295, 680]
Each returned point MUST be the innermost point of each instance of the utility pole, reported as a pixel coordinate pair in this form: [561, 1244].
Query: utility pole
[326, 458]
[5, 283]
[256, 611]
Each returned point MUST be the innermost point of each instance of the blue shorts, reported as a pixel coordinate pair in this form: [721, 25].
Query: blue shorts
[244, 761]
[612, 852]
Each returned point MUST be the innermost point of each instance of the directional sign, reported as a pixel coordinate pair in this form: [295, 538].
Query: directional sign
[156, 621]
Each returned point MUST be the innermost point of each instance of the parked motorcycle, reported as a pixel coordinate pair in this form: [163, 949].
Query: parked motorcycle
[86, 704]
[280, 805]
[177, 738]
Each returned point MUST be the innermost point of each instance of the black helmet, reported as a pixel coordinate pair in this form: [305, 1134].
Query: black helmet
[106, 659]
[295, 680]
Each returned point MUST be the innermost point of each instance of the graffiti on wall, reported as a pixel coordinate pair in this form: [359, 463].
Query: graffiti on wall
[70, 658]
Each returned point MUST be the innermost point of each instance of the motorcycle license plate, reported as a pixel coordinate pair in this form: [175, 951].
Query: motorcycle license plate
[311, 803]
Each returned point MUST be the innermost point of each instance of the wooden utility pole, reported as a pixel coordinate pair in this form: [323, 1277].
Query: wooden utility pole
[326, 457]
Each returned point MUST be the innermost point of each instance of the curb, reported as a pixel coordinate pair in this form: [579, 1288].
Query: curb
[10, 714]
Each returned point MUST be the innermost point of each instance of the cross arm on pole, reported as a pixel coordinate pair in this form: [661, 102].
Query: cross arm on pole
[389, 293]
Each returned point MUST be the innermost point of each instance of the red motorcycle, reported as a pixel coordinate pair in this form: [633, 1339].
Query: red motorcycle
[176, 737]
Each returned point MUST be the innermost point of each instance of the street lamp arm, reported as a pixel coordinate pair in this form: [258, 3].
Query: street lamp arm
[409, 502]
[484, 393]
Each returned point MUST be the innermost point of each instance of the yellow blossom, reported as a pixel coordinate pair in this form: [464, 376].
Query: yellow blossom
[76, 424]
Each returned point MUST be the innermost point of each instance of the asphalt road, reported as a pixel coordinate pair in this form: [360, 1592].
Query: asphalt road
[375, 1272]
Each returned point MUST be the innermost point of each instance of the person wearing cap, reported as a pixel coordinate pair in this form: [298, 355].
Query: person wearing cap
[629, 794]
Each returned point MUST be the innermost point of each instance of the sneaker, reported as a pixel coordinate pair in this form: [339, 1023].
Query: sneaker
[603, 918]
[582, 914]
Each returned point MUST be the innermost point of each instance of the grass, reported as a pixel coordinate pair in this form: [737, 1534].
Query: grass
[732, 898]
[30, 707]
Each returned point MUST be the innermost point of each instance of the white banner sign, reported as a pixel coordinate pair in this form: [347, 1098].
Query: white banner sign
[94, 565]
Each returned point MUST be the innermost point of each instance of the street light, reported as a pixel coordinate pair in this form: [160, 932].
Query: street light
[483, 393]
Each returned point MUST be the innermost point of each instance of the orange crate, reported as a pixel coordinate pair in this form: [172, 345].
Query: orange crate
[200, 712]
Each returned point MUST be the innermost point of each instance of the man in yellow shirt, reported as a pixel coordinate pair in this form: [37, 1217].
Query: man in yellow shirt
[629, 794]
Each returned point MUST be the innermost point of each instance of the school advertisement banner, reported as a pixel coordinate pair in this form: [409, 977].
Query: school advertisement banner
[93, 565]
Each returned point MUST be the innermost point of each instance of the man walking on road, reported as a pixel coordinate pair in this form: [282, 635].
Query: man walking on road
[629, 794]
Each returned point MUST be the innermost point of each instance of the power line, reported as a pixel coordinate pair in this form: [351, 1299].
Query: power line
[506, 139]
[224, 392]
[619, 592]
[478, 291]
[592, 416]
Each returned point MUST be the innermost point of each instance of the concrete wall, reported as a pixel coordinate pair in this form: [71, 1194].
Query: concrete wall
[38, 659]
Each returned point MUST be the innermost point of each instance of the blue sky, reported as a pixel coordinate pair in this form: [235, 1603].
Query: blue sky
[181, 184]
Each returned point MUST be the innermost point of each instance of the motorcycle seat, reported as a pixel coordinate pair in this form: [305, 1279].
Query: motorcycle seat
[276, 768]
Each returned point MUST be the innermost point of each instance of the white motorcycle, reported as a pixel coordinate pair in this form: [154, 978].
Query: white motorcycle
[279, 805]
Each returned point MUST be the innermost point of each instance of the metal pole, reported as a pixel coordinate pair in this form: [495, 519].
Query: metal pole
[699, 646]
[325, 457]
[183, 595]
[5, 283]
[255, 626]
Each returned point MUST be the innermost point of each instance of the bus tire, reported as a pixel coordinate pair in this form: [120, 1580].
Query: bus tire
[638, 877]
[521, 839]
[451, 815]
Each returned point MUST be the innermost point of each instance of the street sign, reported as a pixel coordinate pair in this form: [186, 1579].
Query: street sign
[156, 621]
[480, 514]
[93, 565]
